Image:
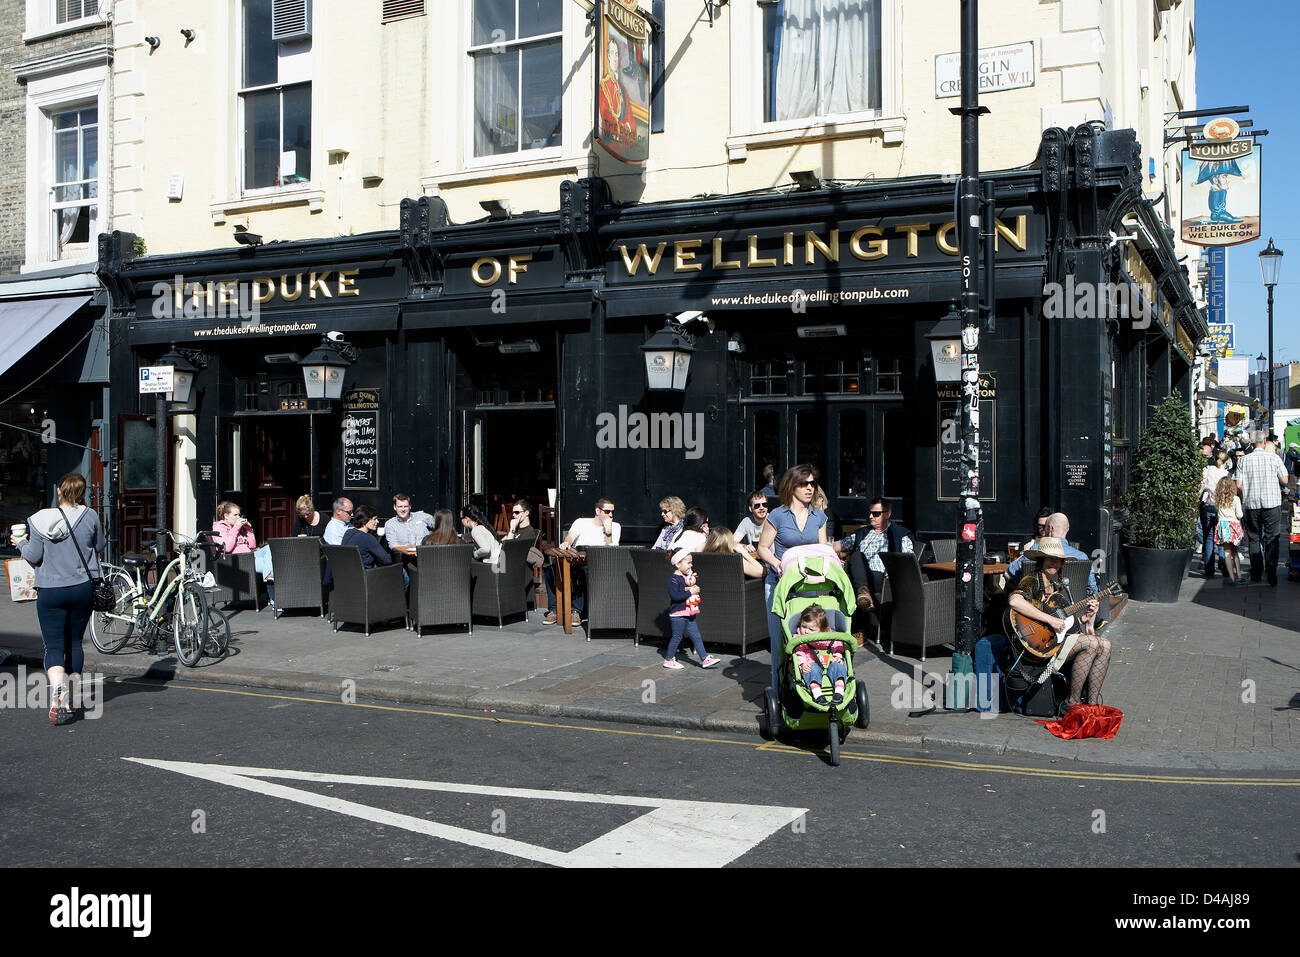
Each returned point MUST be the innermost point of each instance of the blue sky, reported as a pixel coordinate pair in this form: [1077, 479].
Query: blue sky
[1245, 55]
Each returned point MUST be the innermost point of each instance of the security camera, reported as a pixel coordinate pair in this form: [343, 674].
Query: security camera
[245, 238]
[694, 316]
[334, 336]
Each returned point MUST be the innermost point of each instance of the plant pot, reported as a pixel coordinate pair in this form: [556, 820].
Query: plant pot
[1156, 574]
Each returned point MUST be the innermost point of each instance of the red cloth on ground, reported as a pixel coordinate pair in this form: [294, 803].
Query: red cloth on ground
[1086, 721]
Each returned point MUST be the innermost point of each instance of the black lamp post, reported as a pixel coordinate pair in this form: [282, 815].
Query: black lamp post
[1260, 361]
[668, 353]
[1270, 267]
[325, 367]
[183, 399]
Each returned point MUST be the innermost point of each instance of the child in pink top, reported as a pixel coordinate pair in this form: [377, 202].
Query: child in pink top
[818, 659]
[232, 530]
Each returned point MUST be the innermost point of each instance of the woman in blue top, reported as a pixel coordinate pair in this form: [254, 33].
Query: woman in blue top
[796, 522]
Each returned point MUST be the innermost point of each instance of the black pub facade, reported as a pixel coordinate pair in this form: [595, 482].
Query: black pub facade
[503, 358]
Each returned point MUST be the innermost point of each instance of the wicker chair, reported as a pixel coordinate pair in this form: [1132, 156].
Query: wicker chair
[440, 586]
[611, 589]
[499, 596]
[652, 573]
[732, 611]
[919, 612]
[237, 579]
[363, 596]
[297, 563]
[944, 549]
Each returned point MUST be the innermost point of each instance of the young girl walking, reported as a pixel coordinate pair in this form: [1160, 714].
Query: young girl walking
[683, 606]
[1228, 530]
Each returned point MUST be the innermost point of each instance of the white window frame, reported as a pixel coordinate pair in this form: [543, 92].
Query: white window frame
[47, 96]
[468, 49]
[748, 126]
[55, 205]
[43, 20]
[241, 166]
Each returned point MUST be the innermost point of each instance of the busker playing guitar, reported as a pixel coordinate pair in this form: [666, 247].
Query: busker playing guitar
[1035, 596]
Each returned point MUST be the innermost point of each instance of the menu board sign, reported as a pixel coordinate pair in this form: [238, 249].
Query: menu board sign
[948, 468]
[361, 440]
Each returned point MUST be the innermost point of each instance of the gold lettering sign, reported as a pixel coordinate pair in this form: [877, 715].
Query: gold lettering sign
[226, 294]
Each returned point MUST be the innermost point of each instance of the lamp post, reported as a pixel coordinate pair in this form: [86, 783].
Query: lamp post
[970, 516]
[183, 399]
[668, 352]
[1270, 267]
[1260, 361]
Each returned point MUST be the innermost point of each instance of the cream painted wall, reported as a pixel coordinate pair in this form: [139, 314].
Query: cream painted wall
[389, 101]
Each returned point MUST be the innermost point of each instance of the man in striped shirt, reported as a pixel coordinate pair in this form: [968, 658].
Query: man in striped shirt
[1260, 476]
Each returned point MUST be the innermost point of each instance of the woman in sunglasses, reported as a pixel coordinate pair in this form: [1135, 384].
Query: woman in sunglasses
[672, 510]
[796, 522]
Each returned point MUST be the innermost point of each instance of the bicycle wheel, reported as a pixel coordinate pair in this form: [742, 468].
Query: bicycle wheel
[110, 630]
[190, 623]
[218, 640]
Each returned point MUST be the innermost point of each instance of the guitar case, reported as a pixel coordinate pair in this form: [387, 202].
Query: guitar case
[1029, 697]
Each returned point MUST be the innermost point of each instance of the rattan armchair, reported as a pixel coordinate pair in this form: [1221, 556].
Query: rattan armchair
[500, 595]
[653, 569]
[297, 564]
[237, 579]
[611, 589]
[732, 611]
[918, 612]
[363, 596]
[440, 587]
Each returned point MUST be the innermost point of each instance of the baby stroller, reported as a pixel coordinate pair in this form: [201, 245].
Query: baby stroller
[814, 577]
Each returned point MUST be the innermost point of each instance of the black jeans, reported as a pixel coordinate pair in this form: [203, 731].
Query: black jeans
[860, 574]
[64, 614]
[1263, 527]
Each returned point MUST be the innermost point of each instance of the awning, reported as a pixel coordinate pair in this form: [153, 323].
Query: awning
[24, 324]
[1225, 395]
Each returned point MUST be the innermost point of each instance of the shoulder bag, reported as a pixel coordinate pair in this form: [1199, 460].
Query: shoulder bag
[102, 597]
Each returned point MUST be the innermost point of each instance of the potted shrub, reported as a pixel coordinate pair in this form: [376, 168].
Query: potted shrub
[1161, 503]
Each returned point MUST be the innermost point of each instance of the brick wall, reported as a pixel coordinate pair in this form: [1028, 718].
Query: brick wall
[13, 122]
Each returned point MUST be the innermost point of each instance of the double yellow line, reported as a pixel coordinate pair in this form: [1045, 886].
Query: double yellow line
[775, 747]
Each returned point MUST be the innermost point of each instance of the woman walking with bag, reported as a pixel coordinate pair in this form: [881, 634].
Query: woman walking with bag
[62, 548]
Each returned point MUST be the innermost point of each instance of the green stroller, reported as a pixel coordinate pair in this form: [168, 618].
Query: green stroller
[814, 579]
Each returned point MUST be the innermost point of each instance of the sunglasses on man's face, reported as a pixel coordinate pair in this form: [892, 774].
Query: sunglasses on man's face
[757, 506]
[517, 511]
[607, 511]
[875, 514]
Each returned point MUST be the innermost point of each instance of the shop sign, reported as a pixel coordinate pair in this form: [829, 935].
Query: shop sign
[156, 379]
[822, 250]
[1007, 67]
[1221, 188]
[361, 440]
[949, 473]
[623, 83]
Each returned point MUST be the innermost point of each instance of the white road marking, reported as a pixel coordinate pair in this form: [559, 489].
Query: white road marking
[673, 834]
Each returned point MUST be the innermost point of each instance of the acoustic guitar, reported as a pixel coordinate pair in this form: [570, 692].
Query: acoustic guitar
[1037, 639]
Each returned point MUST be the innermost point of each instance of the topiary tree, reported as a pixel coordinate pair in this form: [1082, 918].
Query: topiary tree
[1164, 485]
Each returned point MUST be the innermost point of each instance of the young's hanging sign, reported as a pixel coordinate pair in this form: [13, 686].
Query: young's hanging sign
[1221, 187]
[623, 82]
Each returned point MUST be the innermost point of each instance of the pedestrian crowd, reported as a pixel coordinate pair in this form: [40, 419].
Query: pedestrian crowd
[1247, 487]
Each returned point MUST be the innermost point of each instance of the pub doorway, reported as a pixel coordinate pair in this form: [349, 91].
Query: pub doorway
[266, 462]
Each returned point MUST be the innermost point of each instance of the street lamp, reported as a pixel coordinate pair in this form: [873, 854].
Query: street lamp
[185, 366]
[1270, 267]
[1261, 361]
[182, 396]
[668, 352]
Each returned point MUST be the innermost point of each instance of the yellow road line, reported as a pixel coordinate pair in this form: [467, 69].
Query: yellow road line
[773, 746]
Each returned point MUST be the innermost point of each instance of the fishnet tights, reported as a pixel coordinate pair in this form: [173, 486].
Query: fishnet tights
[1091, 660]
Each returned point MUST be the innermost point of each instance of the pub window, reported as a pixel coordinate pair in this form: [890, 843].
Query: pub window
[853, 452]
[248, 389]
[831, 377]
[292, 394]
[275, 101]
[889, 376]
[515, 54]
[771, 378]
[820, 58]
[74, 195]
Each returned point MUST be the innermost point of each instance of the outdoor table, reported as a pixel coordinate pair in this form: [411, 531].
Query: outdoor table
[990, 568]
[565, 559]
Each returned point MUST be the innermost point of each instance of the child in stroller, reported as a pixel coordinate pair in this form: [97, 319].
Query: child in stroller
[823, 658]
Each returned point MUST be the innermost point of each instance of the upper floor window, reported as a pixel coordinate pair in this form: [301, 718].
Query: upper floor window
[275, 100]
[515, 52]
[74, 192]
[821, 58]
[65, 11]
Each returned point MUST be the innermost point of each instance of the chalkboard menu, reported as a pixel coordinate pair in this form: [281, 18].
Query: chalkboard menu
[948, 470]
[361, 440]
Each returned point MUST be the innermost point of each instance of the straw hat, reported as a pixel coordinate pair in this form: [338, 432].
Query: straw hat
[1046, 548]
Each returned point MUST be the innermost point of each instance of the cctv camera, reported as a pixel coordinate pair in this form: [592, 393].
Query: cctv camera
[334, 336]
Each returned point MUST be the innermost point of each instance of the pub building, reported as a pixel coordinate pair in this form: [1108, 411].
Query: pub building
[508, 357]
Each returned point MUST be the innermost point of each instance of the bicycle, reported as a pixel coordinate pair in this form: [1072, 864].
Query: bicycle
[178, 600]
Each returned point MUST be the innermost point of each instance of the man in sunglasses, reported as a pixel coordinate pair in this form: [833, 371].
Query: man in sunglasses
[749, 528]
[339, 523]
[863, 548]
[583, 533]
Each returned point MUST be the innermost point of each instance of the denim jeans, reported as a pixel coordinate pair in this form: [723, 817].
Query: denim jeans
[64, 614]
[773, 624]
[688, 625]
[1209, 522]
[835, 671]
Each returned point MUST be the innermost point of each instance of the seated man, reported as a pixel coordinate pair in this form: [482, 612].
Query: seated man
[406, 527]
[863, 548]
[339, 522]
[749, 528]
[599, 530]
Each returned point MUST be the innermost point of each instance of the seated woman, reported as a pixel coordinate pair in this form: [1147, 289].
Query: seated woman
[444, 529]
[672, 509]
[1036, 591]
[486, 546]
[721, 540]
[310, 521]
[820, 659]
[695, 530]
[233, 531]
[362, 534]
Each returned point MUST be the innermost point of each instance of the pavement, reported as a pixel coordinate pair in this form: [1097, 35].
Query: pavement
[1211, 682]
